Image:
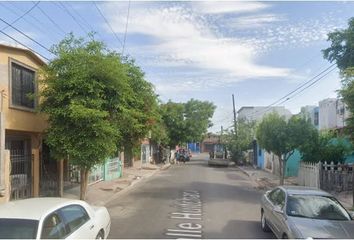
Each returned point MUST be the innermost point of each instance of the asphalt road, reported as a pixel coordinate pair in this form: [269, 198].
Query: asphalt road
[189, 201]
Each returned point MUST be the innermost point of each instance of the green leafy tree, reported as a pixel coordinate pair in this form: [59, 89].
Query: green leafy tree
[198, 116]
[325, 147]
[282, 137]
[81, 95]
[173, 117]
[139, 112]
[187, 122]
[341, 52]
[241, 142]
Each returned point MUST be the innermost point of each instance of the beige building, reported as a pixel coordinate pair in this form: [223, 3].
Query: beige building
[21, 127]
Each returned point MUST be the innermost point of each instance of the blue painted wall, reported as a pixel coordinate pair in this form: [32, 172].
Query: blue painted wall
[260, 157]
[194, 147]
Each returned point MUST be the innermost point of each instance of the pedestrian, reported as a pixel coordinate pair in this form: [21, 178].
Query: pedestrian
[177, 157]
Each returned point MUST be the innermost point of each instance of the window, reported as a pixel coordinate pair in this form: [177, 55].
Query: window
[316, 120]
[12, 228]
[277, 197]
[53, 227]
[22, 86]
[75, 216]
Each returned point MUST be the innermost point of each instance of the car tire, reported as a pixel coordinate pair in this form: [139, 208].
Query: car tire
[100, 235]
[264, 223]
[285, 236]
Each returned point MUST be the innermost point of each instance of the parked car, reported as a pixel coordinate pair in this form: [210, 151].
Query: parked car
[302, 212]
[48, 218]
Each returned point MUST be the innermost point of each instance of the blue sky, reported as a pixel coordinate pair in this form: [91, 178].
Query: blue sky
[259, 51]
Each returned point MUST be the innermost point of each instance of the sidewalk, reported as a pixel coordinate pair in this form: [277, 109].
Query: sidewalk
[100, 193]
[264, 180]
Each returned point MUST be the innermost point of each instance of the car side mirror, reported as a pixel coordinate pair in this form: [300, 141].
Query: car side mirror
[278, 209]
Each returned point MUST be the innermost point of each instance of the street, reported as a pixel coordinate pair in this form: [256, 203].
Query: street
[189, 201]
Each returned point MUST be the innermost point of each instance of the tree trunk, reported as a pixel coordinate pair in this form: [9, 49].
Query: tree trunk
[128, 156]
[281, 170]
[84, 173]
[60, 165]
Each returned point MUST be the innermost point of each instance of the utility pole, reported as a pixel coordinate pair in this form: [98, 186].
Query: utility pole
[235, 121]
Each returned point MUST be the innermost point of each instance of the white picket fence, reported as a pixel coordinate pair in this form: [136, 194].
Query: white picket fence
[309, 174]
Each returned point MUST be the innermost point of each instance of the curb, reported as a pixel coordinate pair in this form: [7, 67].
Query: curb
[166, 166]
[134, 182]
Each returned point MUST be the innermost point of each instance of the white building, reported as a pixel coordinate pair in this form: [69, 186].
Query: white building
[332, 114]
[252, 113]
[311, 113]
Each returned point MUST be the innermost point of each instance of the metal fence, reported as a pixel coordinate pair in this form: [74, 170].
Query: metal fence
[21, 174]
[336, 177]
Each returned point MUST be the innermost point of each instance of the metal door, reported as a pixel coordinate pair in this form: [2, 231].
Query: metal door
[21, 168]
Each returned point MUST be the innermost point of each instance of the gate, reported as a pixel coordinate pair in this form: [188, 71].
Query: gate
[21, 172]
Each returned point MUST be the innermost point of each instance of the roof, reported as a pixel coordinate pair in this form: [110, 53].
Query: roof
[27, 51]
[302, 190]
[33, 208]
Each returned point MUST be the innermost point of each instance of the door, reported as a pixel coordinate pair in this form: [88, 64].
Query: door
[21, 167]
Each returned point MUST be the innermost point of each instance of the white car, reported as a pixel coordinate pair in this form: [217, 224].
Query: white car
[48, 218]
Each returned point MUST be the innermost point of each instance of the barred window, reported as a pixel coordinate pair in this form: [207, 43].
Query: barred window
[23, 86]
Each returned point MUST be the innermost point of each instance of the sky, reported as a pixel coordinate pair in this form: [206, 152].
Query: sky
[258, 51]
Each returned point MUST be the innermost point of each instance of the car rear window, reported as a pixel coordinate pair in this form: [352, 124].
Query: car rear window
[18, 228]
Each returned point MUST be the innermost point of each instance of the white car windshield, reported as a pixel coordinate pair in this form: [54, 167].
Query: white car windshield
[18, 228]
[316, 207]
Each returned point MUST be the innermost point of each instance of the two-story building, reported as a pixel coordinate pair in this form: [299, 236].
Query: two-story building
[21, 126]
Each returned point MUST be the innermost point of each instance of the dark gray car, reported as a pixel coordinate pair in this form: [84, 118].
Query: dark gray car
[302, 212]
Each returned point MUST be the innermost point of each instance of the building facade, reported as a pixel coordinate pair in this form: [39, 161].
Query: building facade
[256, 113]
[21, 127]
[332, 114]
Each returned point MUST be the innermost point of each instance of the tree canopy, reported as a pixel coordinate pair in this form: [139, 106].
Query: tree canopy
[341, 52]
[282, 137]
[187, 122]
[82, 95]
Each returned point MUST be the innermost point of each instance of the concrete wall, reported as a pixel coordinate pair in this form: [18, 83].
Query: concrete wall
[17, 121]
[22, 120]
[5, 195]
[256, 113]
[327, 114]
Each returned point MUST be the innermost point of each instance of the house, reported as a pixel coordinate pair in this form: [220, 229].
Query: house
[332, 114]
[311, 113]
[209, 142]
[256, 113]
[21, 127]
[260, 158]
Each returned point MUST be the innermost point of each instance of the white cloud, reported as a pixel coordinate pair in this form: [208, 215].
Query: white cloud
[186, 39]
[228, 7]
[253, 21]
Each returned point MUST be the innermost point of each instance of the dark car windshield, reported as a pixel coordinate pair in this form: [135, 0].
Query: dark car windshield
[316, 207]
[18, 228]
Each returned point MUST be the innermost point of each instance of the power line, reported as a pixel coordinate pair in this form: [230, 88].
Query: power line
[287, 97]
[109, 25]
[72, 16]
[51, 20]
[126, 28]
[39, 25]
[24, 14]
[309, 85]
[24, 34]
[24, 45]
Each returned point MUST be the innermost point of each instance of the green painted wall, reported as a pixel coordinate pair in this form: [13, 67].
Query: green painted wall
[292, 165]
[112, 169]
